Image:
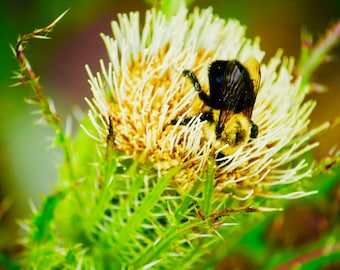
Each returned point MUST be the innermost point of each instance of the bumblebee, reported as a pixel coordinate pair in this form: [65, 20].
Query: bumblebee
[233, 90]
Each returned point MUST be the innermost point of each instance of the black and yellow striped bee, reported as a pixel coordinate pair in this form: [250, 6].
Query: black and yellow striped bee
[233, 90]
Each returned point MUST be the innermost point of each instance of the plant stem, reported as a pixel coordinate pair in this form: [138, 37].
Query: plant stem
[27, 75]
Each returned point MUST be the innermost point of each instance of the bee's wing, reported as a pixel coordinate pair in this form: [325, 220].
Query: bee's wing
[228, 80]
[241, 86]
[254, 71]
[228, 89]
[223, 118]
[217, 87]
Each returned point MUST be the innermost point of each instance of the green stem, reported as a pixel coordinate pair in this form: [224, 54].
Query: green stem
[27, 75]
[313, 58]
[168, 7]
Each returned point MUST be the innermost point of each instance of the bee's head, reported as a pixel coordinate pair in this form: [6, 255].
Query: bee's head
[238, 130]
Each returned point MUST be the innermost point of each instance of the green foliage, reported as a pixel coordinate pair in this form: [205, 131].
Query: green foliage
[126, 220]
[44, 218]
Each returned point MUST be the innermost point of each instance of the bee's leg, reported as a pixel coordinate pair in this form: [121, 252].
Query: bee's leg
[219, 156]
[185, 121]
[205, 116]
[203, 96]
[254, 131]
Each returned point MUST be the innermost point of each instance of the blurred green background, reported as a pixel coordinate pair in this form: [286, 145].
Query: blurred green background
[28, 163]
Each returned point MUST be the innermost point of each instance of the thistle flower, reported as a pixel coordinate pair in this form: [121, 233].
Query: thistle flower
[142, 89]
